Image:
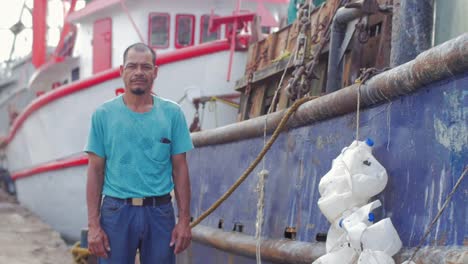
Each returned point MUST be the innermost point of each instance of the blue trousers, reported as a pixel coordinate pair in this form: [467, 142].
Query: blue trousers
[147, 228]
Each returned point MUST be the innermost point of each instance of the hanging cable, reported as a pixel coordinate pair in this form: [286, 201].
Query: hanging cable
[436, 218]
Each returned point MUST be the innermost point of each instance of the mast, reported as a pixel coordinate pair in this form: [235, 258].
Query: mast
[39, 32]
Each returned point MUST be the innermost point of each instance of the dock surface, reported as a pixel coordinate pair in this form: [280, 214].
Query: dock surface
[25, 239]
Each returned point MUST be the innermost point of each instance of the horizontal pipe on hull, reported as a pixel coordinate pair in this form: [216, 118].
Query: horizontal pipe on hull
[435, 255]
[275, 250]
[444, 61]
[291, 251]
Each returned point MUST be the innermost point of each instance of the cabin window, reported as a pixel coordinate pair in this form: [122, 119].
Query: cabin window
[185, 29]
[158, 30]
[205, 34]
[75, 74]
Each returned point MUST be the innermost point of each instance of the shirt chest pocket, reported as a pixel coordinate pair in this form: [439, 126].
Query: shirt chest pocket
[159, 151]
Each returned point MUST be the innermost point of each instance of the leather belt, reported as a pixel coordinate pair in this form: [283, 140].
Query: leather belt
[149, 201]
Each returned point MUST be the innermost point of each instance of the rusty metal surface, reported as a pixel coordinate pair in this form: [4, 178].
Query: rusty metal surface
[275, 250]
[439, 63]
[411, 29]
[435, 255]
[290, 251]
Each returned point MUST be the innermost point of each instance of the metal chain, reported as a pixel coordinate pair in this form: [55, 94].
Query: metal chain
[299, 83]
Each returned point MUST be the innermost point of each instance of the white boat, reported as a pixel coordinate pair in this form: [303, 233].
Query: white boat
[45, 142]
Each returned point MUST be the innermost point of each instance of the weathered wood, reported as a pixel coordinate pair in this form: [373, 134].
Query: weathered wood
[272, 69]
[444, 61]
[243, 107]
[268, 61]
[257, 101]
[283, 101]
[282, 41]
[240, 84]
[318, 86]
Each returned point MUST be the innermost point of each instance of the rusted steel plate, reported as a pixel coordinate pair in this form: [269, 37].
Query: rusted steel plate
[444, 61]
[291, 251]
[275, 250]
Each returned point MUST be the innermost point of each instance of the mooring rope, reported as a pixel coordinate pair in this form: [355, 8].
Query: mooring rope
[441, 210]
[257, 160]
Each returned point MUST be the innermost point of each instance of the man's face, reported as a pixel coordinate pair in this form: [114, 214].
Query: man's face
[139, 72]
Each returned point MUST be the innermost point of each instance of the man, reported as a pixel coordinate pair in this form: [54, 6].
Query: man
[136, 147]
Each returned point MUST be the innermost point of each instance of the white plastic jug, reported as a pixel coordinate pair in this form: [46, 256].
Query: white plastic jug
[360, 215]
[345, 255]
[356, 223]
[382, 236]
[333, 205]
[367, 176]
[336, 238]
[336, 180]
[374, 257]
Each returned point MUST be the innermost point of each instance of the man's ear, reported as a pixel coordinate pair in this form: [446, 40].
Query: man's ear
[155, 71]
[121, 70]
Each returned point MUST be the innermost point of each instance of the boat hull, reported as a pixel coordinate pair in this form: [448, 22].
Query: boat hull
[58, 197]
[417, 139]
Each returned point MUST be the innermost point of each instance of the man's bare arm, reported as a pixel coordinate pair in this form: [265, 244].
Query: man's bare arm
[181, 235]
[97, 239]
[94, 185]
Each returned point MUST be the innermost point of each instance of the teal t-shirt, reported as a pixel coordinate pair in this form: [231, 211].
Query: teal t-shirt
[137, 147]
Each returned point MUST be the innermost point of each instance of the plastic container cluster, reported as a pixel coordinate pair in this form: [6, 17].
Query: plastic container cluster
[354, 237]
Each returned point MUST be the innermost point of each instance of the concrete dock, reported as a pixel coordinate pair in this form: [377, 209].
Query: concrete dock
[25, 239]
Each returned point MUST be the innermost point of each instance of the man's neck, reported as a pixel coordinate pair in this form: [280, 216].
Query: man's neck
[138, 103]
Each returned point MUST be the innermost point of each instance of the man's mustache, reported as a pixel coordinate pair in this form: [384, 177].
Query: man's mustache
[139, 80]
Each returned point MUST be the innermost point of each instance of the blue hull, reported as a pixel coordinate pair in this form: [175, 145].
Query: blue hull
[420, 138]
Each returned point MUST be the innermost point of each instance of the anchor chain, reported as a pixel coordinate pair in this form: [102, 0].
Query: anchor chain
[299, 83]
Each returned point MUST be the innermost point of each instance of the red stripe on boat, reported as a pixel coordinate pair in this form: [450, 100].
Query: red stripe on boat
[165, 58]
[56, 165]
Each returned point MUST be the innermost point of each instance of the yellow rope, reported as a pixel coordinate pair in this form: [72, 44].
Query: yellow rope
[252, 166]
[80, 255]
[215, 98]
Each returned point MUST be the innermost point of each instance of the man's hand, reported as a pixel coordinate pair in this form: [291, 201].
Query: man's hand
[98, 243]
[181, 236]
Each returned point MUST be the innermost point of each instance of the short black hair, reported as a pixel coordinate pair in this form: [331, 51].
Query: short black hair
[141, 47]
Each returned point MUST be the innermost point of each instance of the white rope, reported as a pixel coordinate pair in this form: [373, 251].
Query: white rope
[260, 206]
[357, 111]
[261, 201]
[389, 127]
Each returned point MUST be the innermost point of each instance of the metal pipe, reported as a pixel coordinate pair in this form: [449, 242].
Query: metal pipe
[431, 255]
[292, 251]
[274, 250]
[444, 61]
[342, 17]
[412, 28]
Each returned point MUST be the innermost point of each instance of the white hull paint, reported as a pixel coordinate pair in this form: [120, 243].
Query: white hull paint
[58, 197]
[60, 128]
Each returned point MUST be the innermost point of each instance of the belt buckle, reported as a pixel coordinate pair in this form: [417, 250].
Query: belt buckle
[137, 201]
